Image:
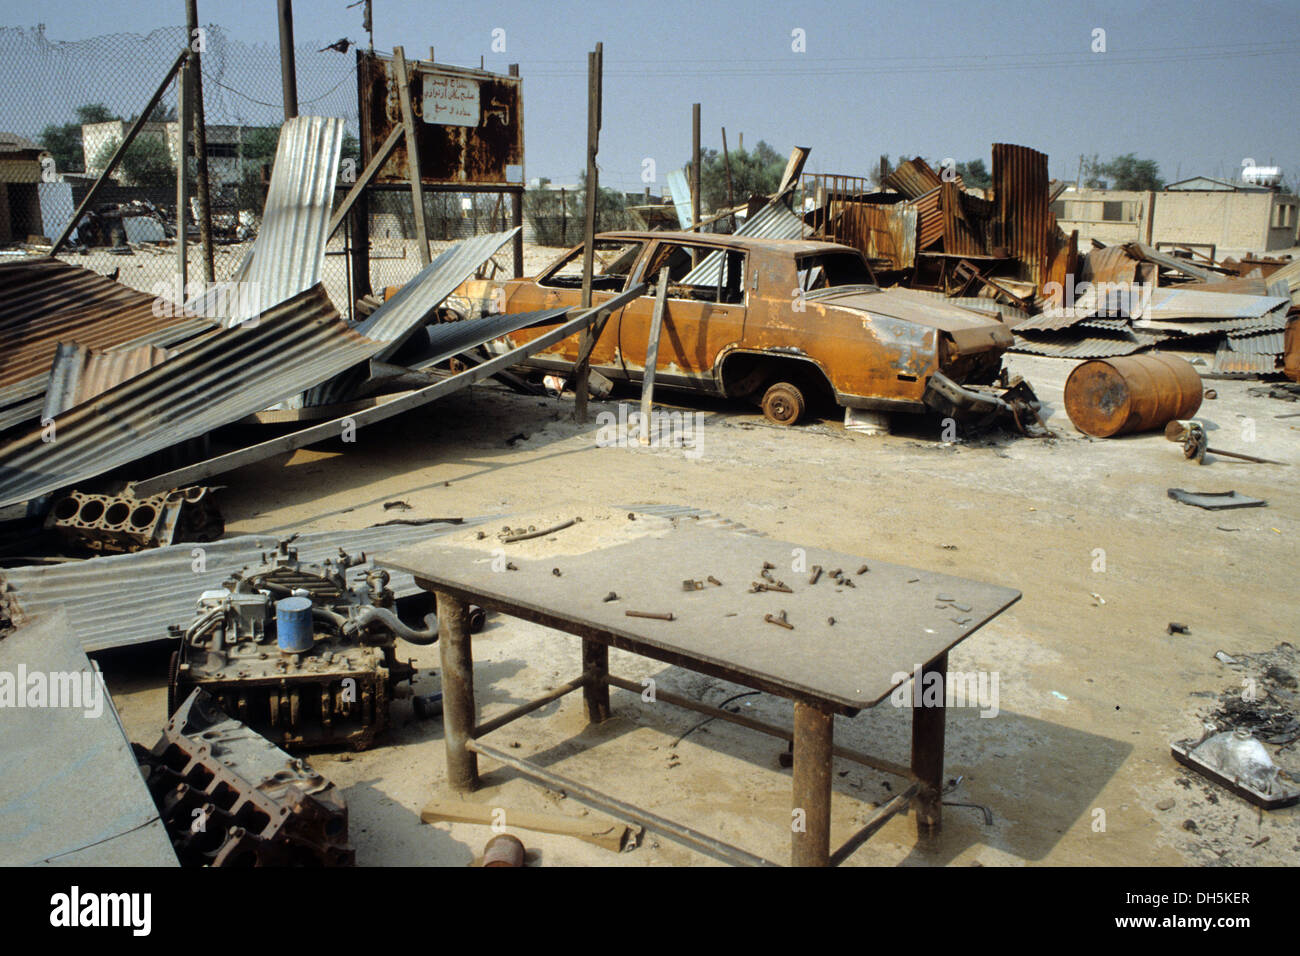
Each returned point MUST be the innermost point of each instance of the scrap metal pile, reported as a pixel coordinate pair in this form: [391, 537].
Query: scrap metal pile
[99, 381]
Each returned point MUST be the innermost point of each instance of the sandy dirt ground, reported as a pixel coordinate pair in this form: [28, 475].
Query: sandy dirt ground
[1074, 768]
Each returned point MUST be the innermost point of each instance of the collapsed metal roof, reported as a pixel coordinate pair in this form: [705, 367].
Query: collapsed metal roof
[228, 375]
[133, 598]
[46, 301]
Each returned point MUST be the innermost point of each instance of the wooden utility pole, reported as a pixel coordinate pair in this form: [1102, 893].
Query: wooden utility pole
[288, 71]
[412, 153]
[200, 138]
[182, 185]
[517, 210]
[726, 161]
[595, 69]
[695, 167]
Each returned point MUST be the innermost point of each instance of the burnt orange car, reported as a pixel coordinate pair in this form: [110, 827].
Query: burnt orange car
[780, 322]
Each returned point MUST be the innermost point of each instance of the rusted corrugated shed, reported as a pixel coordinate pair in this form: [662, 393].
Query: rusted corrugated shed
[223, 378]
[929, 219]
[913, 178]
[1020, 186]
[46, 301]
[881, 232]
[960, 236]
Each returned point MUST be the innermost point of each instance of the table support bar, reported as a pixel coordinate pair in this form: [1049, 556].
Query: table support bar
[675, 831]
[897, 805]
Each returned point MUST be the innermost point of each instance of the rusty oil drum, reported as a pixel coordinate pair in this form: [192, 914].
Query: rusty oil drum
[1135, 393]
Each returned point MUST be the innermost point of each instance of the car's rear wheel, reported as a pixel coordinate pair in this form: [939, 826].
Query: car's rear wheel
[783, 404]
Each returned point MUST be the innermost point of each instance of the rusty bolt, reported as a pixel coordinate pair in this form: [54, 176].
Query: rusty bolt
[779, 621]
[611, 596]
[652, 615]
[712, 580]
[816, 573]
[863, 570]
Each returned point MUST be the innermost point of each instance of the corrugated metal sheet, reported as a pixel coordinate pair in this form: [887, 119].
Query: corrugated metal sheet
[79, 373]
[1020, 187]
[960, 237]
[913, 178]
[929, 219]
[773, 221]
[226, 376]
[70, 789]
[289, 251]
[133, 598]
[1072, 345]
[1140, 250]
[394, 321]
[1111, 264]
[880, 231]
[46, 301]
[1270, 322]
[452, 338]
[1174, 303]
[680, 191]
[1290, 274]
[1251, 354]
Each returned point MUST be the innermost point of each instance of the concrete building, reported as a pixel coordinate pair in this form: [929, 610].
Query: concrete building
[225, 146]
[1218, 216]
[20, 180]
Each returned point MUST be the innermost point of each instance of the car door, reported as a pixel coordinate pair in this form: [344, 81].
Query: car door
[704, 311]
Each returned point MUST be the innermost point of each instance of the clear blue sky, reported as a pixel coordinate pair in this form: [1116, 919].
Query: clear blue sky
[1197, 87]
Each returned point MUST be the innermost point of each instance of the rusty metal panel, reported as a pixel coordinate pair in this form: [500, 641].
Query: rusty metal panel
[959, 236]
[469, 123]
[880, 232]
[929, 218]
[1071, 345]
[1022, 224]
[1111, 264]
[80, 374]
[913, 178]
[228, 375]
[45, 301]
[1252, 353]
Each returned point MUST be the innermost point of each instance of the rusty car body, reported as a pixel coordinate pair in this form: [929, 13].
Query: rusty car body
[781, 322]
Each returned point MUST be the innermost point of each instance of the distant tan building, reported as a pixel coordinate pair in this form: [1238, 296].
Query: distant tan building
[1230, 218]
[20, 178]
[224, 146]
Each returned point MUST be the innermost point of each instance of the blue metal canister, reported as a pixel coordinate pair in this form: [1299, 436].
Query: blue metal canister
[293, 627]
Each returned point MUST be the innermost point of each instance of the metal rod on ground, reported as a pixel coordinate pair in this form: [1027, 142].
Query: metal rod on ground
[412, 153]
[583, 376]
[651, 821]
[182, 184]
[118, 154]
[652, 355]
[198, 123]
[288, 74]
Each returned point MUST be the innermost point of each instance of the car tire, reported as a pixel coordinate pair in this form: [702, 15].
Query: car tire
[783, 404]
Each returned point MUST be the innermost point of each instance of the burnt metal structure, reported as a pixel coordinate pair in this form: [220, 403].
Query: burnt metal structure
[332, 691]
[438, 128]
[230, 798]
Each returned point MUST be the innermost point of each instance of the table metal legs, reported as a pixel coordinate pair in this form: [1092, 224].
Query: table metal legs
[458, 711]
[595, 665]
[927, 747]
[814, 732]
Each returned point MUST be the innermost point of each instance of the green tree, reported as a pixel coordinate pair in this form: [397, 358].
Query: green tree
[755, 173]
[974, 174]
[611, 207]
[147, 161]
[64, 140]
[1129, 172]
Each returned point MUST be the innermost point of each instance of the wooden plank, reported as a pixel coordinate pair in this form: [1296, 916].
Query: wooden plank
[412, 153]
[372, 168]
[598, 830]
[652, 355]
[589, 335]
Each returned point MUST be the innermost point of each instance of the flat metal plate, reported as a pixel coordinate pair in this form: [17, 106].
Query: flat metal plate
[889, 623]
[70, 790]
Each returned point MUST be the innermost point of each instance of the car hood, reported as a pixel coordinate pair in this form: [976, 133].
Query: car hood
[969, 332]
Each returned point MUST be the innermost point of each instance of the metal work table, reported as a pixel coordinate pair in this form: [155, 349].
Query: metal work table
[892, 619]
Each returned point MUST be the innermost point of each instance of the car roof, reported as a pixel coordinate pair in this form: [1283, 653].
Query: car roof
[796, 246]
